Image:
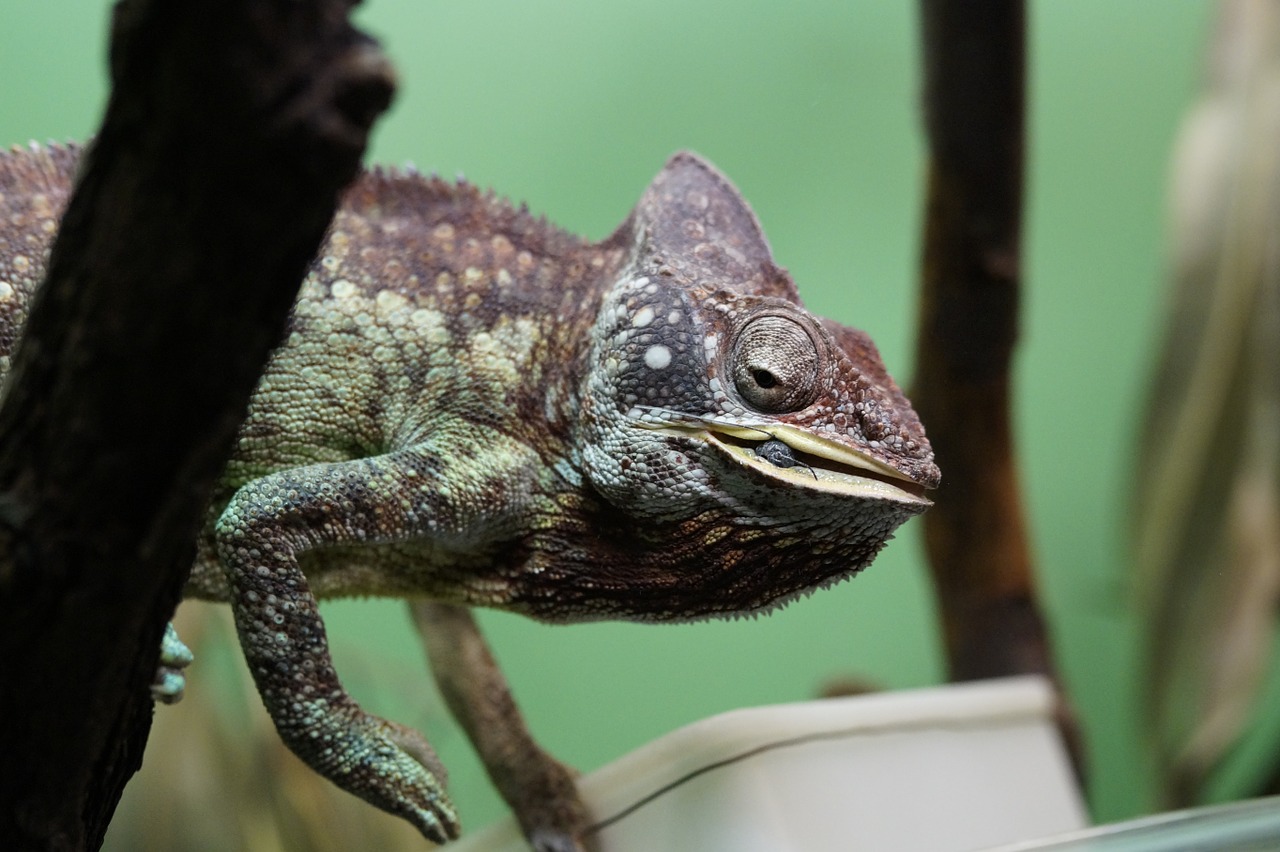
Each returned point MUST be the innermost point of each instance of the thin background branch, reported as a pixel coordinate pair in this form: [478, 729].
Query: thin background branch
[974, 100]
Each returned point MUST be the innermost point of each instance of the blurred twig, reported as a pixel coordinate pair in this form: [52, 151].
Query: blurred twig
[974, 113]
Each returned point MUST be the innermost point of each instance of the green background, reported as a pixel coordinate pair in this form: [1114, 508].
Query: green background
[812, 109]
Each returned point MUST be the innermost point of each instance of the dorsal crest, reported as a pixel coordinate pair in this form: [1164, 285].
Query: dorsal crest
[427, 201]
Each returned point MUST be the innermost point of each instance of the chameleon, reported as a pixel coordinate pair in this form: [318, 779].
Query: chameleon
[471, 407]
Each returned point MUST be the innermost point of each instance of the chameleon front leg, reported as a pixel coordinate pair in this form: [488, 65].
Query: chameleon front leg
[539, 789]
[267, 525]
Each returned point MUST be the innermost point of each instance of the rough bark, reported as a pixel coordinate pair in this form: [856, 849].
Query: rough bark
[231, 129]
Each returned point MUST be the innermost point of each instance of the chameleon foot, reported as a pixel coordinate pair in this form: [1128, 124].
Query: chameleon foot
[169, 682]
[390, 766]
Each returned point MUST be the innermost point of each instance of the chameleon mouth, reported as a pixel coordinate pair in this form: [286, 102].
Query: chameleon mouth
[819, 464]
[809, 460]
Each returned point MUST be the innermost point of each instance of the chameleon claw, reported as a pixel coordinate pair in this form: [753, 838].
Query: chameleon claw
[173, 651]
[170, 683]
[396, 770]
[437, 821]
[425, 805]
[429, 808]
[429, 824]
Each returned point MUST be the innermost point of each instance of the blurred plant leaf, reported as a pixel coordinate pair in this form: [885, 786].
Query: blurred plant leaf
[1207, 488]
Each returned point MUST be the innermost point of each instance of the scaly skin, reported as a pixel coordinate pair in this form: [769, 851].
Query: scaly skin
[474, 407]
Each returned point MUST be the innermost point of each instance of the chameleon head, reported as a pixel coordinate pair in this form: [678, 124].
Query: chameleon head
[716, 405]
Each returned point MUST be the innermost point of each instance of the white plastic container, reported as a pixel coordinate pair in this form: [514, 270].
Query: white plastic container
[957, 767]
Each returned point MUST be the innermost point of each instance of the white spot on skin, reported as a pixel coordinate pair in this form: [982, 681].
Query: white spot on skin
[6, 291]
[657, 357]
[343, 289]
[642, 317]
[673, 317]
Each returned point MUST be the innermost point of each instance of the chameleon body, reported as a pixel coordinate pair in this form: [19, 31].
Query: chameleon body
[475, 407]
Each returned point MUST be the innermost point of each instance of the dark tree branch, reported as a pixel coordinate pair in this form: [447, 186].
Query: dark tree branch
[974, 57]
[232, 127]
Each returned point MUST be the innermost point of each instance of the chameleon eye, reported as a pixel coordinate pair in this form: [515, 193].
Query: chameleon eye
[775, 365]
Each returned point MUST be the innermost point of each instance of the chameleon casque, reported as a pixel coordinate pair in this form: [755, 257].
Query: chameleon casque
[474, 407]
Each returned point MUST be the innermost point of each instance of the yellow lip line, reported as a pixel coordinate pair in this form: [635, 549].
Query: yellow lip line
[806, 443]
[820, 477]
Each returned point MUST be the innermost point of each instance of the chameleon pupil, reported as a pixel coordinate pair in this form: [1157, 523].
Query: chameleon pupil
[764, 378]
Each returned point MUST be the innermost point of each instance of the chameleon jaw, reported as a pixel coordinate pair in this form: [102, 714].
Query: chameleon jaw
[822, 465]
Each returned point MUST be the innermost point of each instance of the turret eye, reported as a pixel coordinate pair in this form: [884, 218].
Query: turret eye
[775, 365]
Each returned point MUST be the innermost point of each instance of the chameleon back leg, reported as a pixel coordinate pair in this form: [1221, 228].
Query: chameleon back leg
[539, 789]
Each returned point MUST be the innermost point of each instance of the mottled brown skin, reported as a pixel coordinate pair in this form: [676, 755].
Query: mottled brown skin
[474, 407]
